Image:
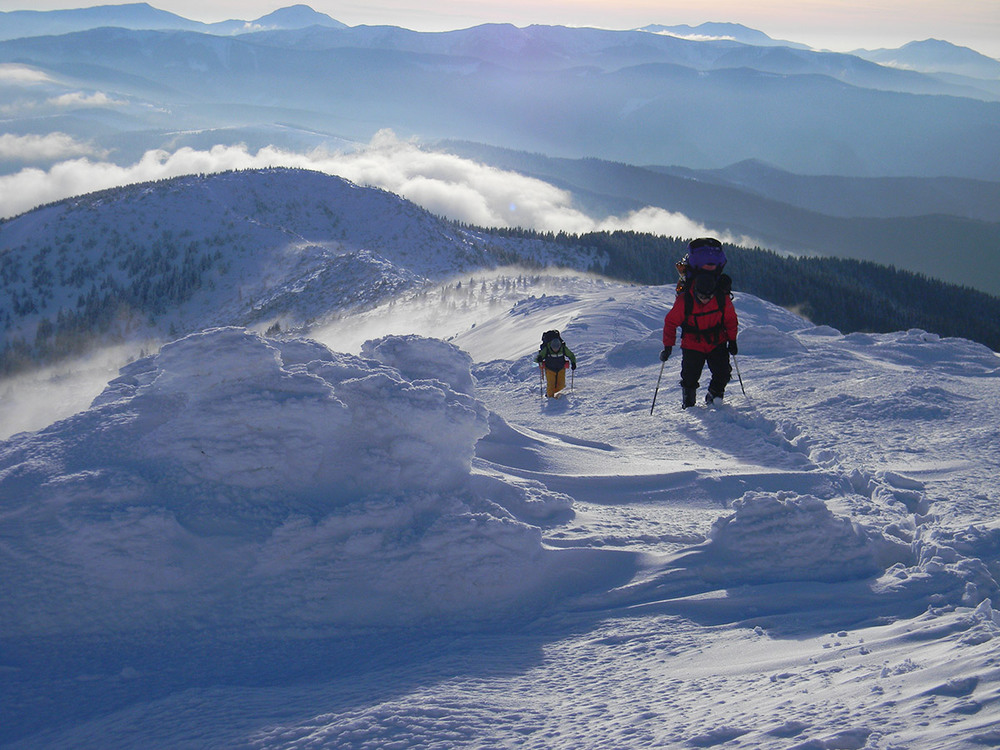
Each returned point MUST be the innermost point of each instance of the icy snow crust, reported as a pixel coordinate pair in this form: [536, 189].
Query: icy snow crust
[253, 542]
[208, 475]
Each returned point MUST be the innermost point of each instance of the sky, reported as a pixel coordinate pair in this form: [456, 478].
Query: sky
[840, 25]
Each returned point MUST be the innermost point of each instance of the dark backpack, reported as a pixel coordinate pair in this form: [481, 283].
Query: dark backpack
[549, 336]
[705, 256]
[723, 289]
[553, 360]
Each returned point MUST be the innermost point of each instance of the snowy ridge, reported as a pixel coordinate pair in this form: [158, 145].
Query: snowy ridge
[813, 565]
[290, 247]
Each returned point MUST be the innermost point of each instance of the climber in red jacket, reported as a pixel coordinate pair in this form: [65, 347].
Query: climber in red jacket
[709, 325]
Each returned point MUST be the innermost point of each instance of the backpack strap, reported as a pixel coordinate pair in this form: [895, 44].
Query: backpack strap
[704, 334]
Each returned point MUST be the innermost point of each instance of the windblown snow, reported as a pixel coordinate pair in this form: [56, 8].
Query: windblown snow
[265, 542]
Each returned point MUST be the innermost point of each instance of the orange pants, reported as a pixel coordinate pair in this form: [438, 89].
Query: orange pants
[555, 381]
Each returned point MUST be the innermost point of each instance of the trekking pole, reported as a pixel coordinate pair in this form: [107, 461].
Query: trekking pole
[740, 378]
[541, 380]
[662, 365]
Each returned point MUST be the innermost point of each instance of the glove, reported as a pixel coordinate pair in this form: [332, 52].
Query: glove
[733, 349]
[572, 365]
[665, 354]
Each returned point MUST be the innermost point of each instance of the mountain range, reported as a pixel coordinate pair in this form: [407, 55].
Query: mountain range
[800, 151]
[864, 120]
[931, 55]
[912, 223]
[21, 23]
[632, 96]
[736, 32]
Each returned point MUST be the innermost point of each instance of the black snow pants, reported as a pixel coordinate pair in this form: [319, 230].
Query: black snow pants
[693, 362]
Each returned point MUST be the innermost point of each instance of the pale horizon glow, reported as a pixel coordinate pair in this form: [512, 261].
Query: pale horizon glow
[838, 25]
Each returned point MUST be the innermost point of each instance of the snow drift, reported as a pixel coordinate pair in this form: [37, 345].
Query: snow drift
[255, 542]
[232, 479]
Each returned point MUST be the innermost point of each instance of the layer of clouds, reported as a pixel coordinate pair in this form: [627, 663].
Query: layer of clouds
[698, 37]
[25, 106]
[42, 148]
[81, 99]
[444, 184]
[14, 74]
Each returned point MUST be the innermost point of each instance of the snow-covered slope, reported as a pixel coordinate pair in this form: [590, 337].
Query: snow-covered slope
[244, 463]
[253, 542]
[257, 248]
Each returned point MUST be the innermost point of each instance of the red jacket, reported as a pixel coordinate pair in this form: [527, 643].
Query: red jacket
[705, 328]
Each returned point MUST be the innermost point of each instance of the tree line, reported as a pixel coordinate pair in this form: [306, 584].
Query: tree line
[849, 295]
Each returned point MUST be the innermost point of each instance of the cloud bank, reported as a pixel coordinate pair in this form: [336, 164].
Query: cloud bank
[15, 74]
[444, 184]
[81, 99]
[42, 148]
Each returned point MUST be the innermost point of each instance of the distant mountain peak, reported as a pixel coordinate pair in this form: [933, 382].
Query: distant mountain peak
[143, 16]
[736, 32]
[942, 47]
[295, 16]
[936, 56]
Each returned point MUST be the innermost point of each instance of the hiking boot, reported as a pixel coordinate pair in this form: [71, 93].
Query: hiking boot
[713, 398]
[688, 397]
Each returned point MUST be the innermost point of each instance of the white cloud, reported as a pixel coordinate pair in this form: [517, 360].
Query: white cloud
[12, 73]
[43, 147]
[655, 221]
[698, 37]
[34, 105]
[80, 99]
[445, 184]
[17, 107]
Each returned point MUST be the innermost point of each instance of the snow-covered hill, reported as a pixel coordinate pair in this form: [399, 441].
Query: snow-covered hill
[265, 248]
[260, 542]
